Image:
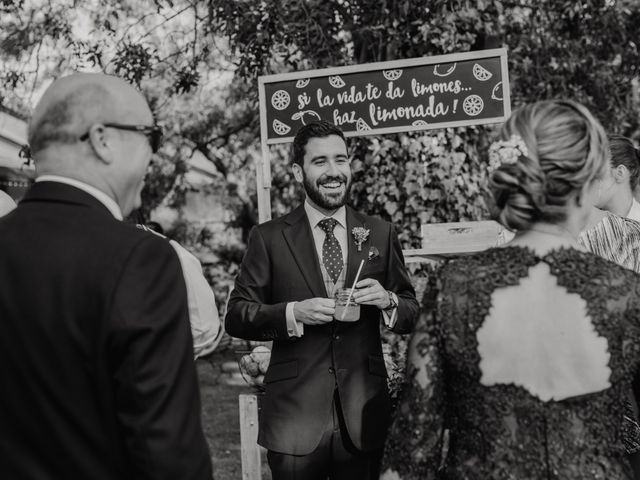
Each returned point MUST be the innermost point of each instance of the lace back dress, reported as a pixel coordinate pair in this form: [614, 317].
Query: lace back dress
[449, 425]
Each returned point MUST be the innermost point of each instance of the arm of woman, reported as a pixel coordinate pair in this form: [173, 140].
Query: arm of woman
[414, 447]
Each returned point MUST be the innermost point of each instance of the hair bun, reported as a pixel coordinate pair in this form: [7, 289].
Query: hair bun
[566, 149]
[519, 193]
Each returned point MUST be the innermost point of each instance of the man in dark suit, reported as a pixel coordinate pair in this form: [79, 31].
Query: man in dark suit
[97, 376]
[326, 408]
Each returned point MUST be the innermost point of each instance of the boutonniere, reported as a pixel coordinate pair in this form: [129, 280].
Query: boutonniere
[360, 234]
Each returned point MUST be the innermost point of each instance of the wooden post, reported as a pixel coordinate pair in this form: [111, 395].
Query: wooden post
[250, 450]
[263, 166]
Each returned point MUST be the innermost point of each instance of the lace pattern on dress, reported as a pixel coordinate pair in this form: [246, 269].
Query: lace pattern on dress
[502, 431]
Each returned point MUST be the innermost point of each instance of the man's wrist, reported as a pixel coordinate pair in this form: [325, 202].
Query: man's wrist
[392, 301]
[294, 327]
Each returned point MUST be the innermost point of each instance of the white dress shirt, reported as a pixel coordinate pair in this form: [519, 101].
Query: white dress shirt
[6, 203]
[203, 313]
[314, 216]
[206, 328]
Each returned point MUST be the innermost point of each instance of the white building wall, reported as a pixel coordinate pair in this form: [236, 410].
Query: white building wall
[13, 135]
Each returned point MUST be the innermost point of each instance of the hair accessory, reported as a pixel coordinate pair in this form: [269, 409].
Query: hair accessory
[506, 152]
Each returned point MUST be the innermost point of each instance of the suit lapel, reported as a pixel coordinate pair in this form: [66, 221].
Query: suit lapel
[354, 219]
[300, 240]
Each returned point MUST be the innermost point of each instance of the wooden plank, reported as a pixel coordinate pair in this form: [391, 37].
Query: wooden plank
[444, 240]
[460, 236]
[263, 164]
[388, 65]
[250, 450]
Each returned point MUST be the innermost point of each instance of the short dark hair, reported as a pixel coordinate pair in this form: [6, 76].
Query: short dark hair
[624, 153]
[317, 129]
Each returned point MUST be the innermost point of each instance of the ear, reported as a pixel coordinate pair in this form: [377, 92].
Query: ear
[101, 141]
[621, 174]
[297, 172]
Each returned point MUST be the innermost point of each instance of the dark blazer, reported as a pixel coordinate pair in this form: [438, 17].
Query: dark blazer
[96, 360]
[280, 266]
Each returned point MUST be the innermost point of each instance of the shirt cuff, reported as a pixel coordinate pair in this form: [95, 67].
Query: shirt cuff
[391, 316]
[294, 328]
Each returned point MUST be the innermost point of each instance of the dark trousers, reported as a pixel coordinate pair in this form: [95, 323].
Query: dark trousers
[335, 458]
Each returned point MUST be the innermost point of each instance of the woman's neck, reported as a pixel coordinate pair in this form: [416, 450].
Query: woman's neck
[595, 216]
[543, 237]
[621, 202]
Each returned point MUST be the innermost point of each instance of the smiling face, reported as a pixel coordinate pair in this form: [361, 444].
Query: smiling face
[325, 173]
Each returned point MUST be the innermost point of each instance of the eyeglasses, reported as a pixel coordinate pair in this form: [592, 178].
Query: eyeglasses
[152, 132]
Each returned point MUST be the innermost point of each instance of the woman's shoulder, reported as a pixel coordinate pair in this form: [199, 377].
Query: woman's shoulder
[612, 225]
[631, 227]
[517, 259]
[491, 259]
[584, 270]
[616, 239]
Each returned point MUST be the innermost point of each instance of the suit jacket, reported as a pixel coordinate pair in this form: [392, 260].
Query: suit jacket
[97, 375]
[281, 266]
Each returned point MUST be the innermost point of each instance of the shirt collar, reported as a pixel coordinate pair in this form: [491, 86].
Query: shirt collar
[315, 216]
[634, 211]
[99, 195]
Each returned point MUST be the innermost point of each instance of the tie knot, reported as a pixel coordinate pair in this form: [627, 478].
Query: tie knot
[328, 224]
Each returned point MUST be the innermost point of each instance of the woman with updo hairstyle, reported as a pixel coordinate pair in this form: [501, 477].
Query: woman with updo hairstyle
[555, 160]
[523, 354]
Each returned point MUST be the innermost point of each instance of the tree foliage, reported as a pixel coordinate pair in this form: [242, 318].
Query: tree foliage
[584, 50]
[198, 63]
[581, 50]
[161, 46]
[178, 50]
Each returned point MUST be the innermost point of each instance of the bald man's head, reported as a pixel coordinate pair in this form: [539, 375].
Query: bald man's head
[87, 127]
[72, 104]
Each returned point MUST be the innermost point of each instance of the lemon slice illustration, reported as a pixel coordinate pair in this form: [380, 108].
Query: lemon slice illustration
[362, 126]
[392, 75]
[303, 82]
[496, 93]
[336, 81]
[419, 123]
[280, 128]
[481, 73]
[280, 100]
[300, 116]
[472, 105]
[448, 72]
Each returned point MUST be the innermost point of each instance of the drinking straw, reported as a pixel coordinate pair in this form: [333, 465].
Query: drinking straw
[344, 312]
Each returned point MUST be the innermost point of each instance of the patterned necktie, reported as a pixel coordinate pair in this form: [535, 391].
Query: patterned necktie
[331, 251]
